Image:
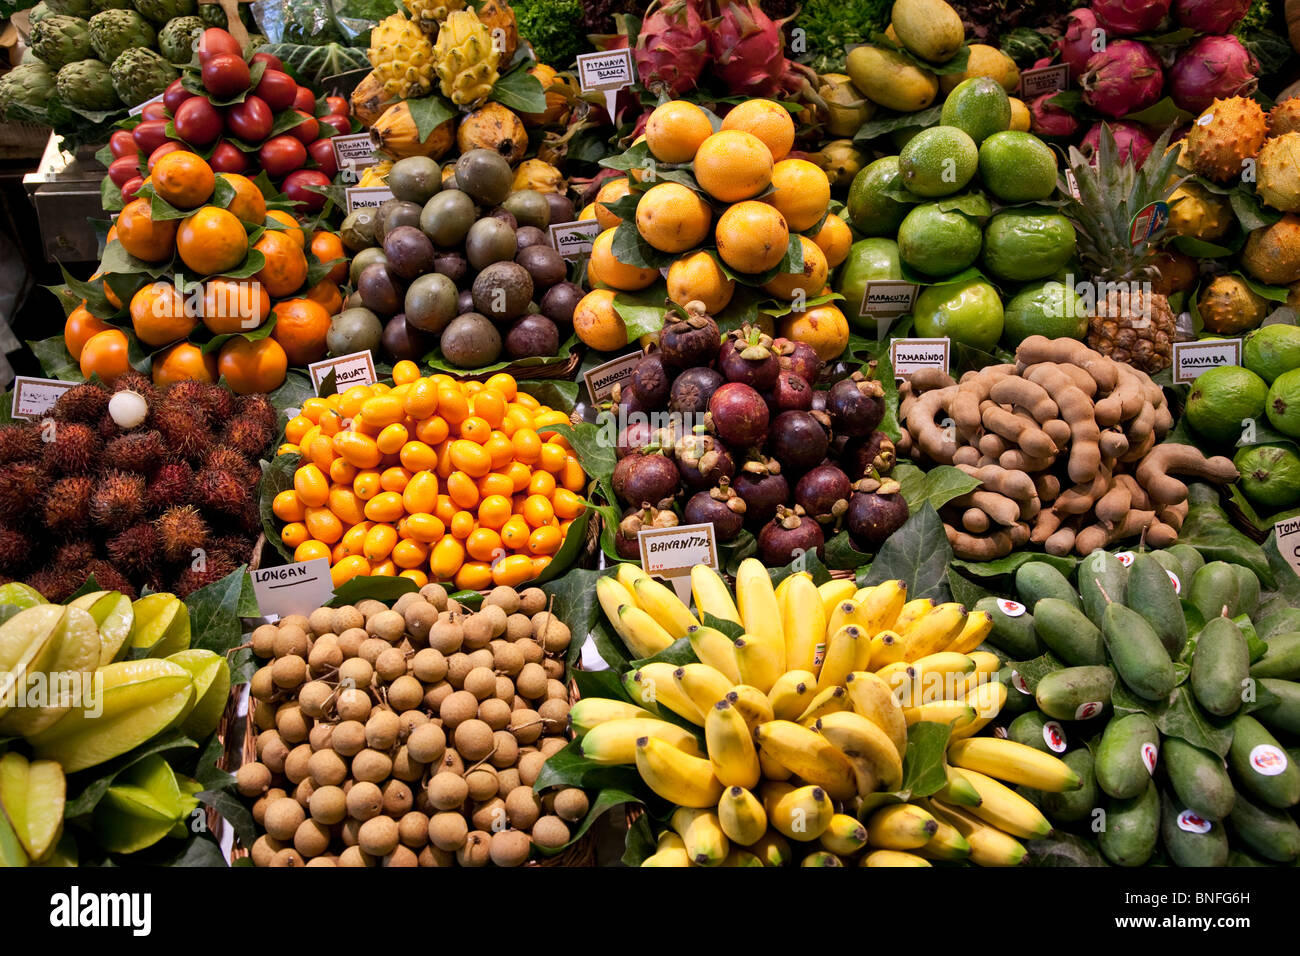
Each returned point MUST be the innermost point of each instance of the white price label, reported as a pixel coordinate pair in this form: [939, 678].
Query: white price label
[366, 197]
[572, 240]
[34, 397]
[1193, 358]
[1045, 79]
[357, 368]
[602, 379]
[887, 298]
[354, 151]
[670, 553]
[606, 70]
[293, 588]
[1288, 541]
[911, 355]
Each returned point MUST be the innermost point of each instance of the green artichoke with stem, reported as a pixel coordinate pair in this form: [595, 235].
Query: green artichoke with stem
[114, 31]
[140, 74]
[38, 13]
[87, 85]
[160, 11]
[28, 84]
[176, 39]
[59, 40]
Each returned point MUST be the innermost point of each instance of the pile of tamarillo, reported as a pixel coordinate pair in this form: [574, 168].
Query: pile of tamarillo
[1066, 445]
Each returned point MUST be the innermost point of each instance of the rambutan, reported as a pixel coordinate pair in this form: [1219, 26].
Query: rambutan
[184, 428]
[222, 491]
[82, 403]
[248, 435]
[56, 584]
[108, 429]
[76, 553]
[133, 381]
[238, 547]
[75, 449]
[140, 452]
[217, 401]
[118, 500]
[21, 485]
[181, 529]
[67, 503]
[260, 408]
[215, 567]
[172, 484]
[225, 458]
[107, 577]
[15, 550]
[20, 442]
[135, 550]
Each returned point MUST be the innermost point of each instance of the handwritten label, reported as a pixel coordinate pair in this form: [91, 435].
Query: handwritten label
[911, 355]
[139, 107]
[610, 70]
[1045, 79]
[572, 240]
[293, 588]
[887, 298]
[354, 151]
[602, 379]
[1288, 541]
[1148, 223]
[356, 368]
[1193, 358]
[670, 553]
[34, 397]
[366, 197]
[1072, 184]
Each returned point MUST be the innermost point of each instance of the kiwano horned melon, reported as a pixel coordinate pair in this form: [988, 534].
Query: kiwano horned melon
[1279, 173]
[1224, 136]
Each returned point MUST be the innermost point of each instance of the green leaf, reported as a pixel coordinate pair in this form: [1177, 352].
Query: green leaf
[569, 768]
[1161, 114]
[1012, 562]
[312, 64]
[1273, 293]
[215, 343]
[233, 810]
[809, 562]
[631, 249]
[679, 652]
[1209, 531]
[642, 312]
[436, 361]
[918, 554]
[1031, 672]
[1249, 210]
[214, 613]
[594, 451]
[376, 588]
[520, 91]
[553, 393]
[884, 125]
[1062, 849]
[102, 776]
[574, 595]
[965, 591]
[639, 843]
[973, 204]
[842, 555]
[56, 361]
[429, 112]
[277, 476]
[295, 390]
[936, 487]
[1179, 716]
[957, 64]
[729, 628]
[923, 761]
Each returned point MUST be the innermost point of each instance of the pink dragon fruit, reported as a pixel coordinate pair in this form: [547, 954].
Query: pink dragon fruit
[1123, 78]
[1127, 17]
[1131, 140]
[672, 50]
[1212, 68]
[1048, 120]
[748, 50]
[1210, 16]
[1076, 45]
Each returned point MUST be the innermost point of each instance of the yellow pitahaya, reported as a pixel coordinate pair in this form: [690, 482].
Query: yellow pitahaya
[466, 59]
[429, 15]
[402, 57]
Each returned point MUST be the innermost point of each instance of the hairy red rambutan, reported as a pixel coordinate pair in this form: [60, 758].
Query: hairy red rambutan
[21, 486]
[260, 408]
[56, 584]
[217, 401]
[108, 578]
[82, 403]
[215, 567]
[225, 458]
[76, 553]
[133, 381]
[135, 550]
[74, 450]
[67, 504]
[181, 529]
[238, 547]
[222, 491]
[15, 550]
[140, 452]
[184, 428]
[171, 484]
[20, 442]
[248, 435]
[107, 428]
[118, 500]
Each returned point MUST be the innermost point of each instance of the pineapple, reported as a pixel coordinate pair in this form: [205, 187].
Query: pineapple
[1132, 323]
[466, 59]
[402, 57]
[429, 15]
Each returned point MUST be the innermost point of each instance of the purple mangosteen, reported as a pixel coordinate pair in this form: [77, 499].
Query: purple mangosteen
[747, 357]
[789, 534]
[651, 381]
[791, 393]
[645, 476]
[692, 390]
[876, 510]
[691, 339]
[863, 456]
[719, 506]
[798, 441]
[703, 461]
[763, 487]
[637, 520]
[856, 405]
[823, 494]
[799, 358]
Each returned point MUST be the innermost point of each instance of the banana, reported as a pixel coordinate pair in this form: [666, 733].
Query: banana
[821, 858]
[958, 790]
[591, 712]
[989, 846]
[947, 843]
[759, 612]
[845, 613]
[803, 619]
[912, 611]
[760, 661]
[731, 746]
[792, 693]
[881, 605]
[845, 835]
[809, 755]
[614, 742]
[801, 813]
[771, 769]
[783, 586]
[653, 685]
[670, 840]
[641, 632]
[676, 776]
[933, 632]
[1013, 762]
[871, 753]
[886, 648]
[890, 858]
[704, 685]
[954, 713]
[901, 826]
[742, 816]
[978, 626]
[871, 697]
[898, 677]
[772, 849]
[712, 595]
[830, 701]
[841, 656]
[664, 606]
[752, 704]
[1002, 807]
[613, 597]
[986, 668]
[940, 676]
[739, 857]
[706, 844]
[714, 648]
[628, 574]
[675, 856]
[834, 591]
[987, 700]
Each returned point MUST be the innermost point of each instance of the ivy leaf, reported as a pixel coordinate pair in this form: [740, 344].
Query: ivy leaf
[1160, 114]
[214, 612]
[56, 361]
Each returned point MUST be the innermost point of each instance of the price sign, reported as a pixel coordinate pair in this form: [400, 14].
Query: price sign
[1045, 79]
[366, 197]
[293, 588]
[911, 355]
[602, 379]
[357, 368]
[572, 240]
[1193, 358]
[606, 71]
[354, 151]
[670, 553]
[34, 397]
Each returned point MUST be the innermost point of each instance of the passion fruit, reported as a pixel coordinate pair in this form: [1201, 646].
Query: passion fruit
[485, 175]
[560, 300]
[531, 336]
[470, 341]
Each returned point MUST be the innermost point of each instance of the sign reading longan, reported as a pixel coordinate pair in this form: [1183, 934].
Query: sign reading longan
[293, 588]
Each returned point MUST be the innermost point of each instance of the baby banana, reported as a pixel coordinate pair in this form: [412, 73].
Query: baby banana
[1002, 807]
[704, 685]
[614, 742]
[715, 649]
[830, 701]
[891, 858]
[742, 816]
[834, 591]
[989, 846]
[979, 624]
[792, 693]
[803, 621]
[676, 776]
[934, 631]
[641, 633]
[664, 606]
[759, 611]
[702, 835]
[872, 756]
[730, 746]
[801, 813]
[1015, 763]
[845, 835]
[760, 661]
[752, 704]
[841, 656]
[711, 595]
[871, 697]
[809, 755]
[653, 685]
[901, 826]
[881, 605]
[591, 712]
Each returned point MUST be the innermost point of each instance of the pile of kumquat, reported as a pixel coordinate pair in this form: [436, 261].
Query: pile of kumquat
[430, 479]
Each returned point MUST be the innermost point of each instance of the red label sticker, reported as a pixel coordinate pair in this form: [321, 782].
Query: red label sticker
[1178, 585]
[1192, 822]
[1089, 708]
[1149, 757]
[1011, 608]
[1019, 684]
[1125, 558]
[1268, 760]
[1054, 737]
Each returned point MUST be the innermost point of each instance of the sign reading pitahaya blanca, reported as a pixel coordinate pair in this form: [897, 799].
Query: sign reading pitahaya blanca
[606, 71]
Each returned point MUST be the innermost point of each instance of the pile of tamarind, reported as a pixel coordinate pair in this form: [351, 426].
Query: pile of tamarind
[1066, 446]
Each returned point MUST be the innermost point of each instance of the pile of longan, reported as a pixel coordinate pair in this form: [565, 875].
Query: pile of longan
[410, 735]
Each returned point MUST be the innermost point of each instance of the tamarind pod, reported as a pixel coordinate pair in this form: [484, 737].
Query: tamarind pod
[1161, 535]
[1153, 473]
[1080, 499]
[1140, 451]
[998, 507]
[903, 446]
[1113, 444]
[926, 379]
[1114, 504]
[991, 443]
[965, 407]
[1137, 496]
[970, 547]
[975, 521]
[1173, 515]
[966, 455]
[1020, 534]
[1013, 484]
[1164, 421]
[1124, 402]
[1134, 523]
[1047, 524]
[1019, 431]
[1016, 460]
[1060, 543]
[905, 403]
[1014, 390]
[985, 461]
[1058, 431]
[1047, 487]
[1142, 425]
[1039, 348]
[1090, 539]
[1030, 509]
[1134, 393]
[932, 439]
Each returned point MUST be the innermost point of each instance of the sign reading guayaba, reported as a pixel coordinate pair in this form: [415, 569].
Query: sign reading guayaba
[1193, 358]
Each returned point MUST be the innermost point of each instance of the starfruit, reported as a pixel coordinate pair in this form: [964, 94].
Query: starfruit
[31, 799]
[132, 701]
[64, 853]
[11, 848]
[211, 676]
[114, 615]
[161, 625]
[20, 595]
[143, 805]
[47, 654]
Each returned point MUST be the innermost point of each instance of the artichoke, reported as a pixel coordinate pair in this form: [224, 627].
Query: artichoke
[176, 39]
[213, 15]
[72, 8]
[160, 11]
[87, 85]
[38, 13]
[59, 40]
[102, 5]
[113, 31]
[140, 74]
[28, 84]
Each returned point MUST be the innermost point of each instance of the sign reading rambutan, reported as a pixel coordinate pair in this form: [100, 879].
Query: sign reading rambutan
[139, 452]
[81, 403]
[118, 500]
[74, 448]
[65, 504]
[19, 443]
[181, 530]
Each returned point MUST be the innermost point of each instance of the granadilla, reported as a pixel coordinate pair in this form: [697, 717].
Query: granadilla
[107, 577]
[172, 484]
[55, 584]
[260, 408]
[81, 403]
[74, 450]
[118, 500]
[224, 458]
[248, 435]
[15, 550]
[21, 484]
[76, 553]
[140, 452]
[134, 550]
[19, 443]
[184, 428]
[181, 529]
[221, 491]
[672, 48]
[215, 567]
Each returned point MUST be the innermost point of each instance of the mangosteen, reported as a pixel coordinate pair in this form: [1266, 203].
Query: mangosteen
[797, 440]
[823, 494]
[691, 340]
[692, 390]
[560, 300]
[818, 401]
[632, 437]
[739, 415]
[747, 357]
[790, 393]
[645, 476]
[719, 506]
[650, 381]
[798, 357]
[864, 456]
[626, 399]
[763, 487]
[876, 510]
[703, 461]
[789, 534]
[856, 405]
[637, 520]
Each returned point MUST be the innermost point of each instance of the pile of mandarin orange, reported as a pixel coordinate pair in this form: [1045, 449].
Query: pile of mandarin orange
[430, 479]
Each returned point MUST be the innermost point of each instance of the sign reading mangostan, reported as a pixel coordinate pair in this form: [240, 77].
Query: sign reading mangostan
[1193, 358]
[911, 355]
[34, 397]
[1045, 79]
[356, 368]
[366, 197]
[293, 588]
[355, 151]
[670, 553]
[572, 240]
[602, 379]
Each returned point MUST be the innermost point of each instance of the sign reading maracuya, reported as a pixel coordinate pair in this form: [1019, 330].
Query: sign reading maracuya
[608, 70]
[356, 368]
[887, 298]
[1193, 358]
[911, 355]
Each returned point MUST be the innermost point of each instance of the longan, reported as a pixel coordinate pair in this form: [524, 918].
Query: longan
[381, 729]
[420, 617]
[260, 805]
[371, 648]
[457, 708]
[378, 836]
[402, 856]
[531, 681]
[530, 649]
[427, 743]
[555, 715]
[481, 682]
[253, 779]
[554, 668]
[356, 673]
[526, 725]
[349, 738]
[290, 640]
[482, 782]
[506, 658]
[495, 713]
[571, 804]
[350, 641]
[478, 631]
[321, 737]
[435, 695]
[435, 594]
[553, 745]
[518, 626]
[532, 600]
[507, 780]
[370, 607]
[447, 790]
[302, 793]
[353, 704]
[405, 693]
[496, 618]
[321, 621]
[451, 761]
[313, 697]
[272, 751]
[390, 664]
[324, 860]
[262, 684]
[550, 832]
[458, 666]
[347, 618]
[406, 600]
[505, 688]
[503, 597]
[348, 831]
[489, 815]
[429, 665]
[522, 807]
[448, 831]
[387, 625]
[263, 640]
[505, 750]
[312, 838]
[264, 848]
[296, 620]
[473, 739]
[263, 713]
[288, 857]
[474, 852]
[408, 720]
[291, 723]
[289, 672]
[406, 767]
[364, 800]
[530, 768]
[283, 817]
[295, 765]
[556, 690]
[328, 805]
[509, 848]
[354, 856]
[432, 856]
[413, 829]
[326, 768]
[446, 636]
[372, 766]
[398, 798]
